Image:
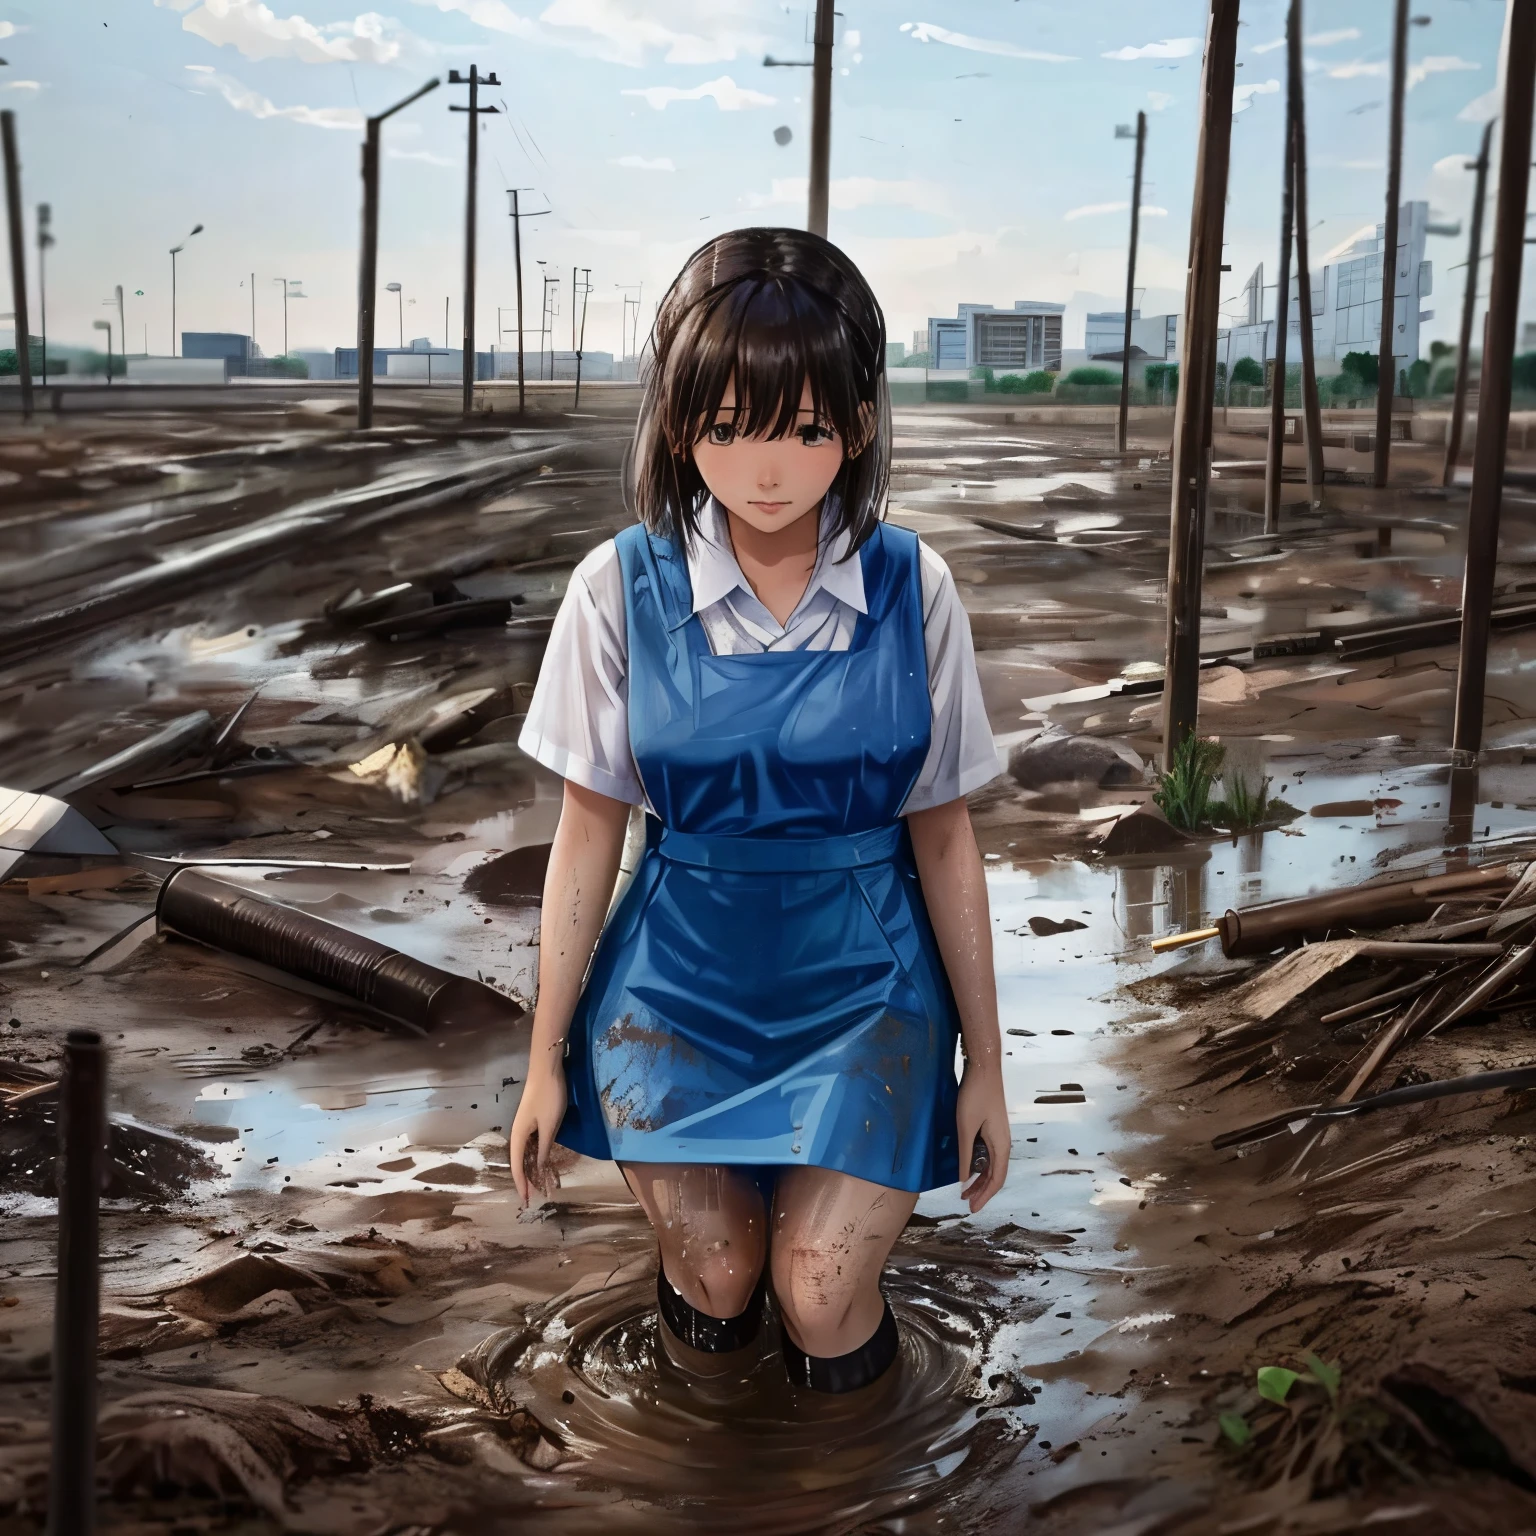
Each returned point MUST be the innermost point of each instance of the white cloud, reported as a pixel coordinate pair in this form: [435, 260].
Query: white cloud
[1242, 97]
[849, 192]
[7, 29]
[728, 96]
[640, 163]
[1342, 248]
[606, 236]
[930, 32]
[1326, 39]
[1159, 100]
[493, 15]
[243, 99]
[1269, 47]
[1437, 64]
[1356, 68]
[23, 85]
[1091, 210]
[1481, 109]
[259, 33]
[424, 155]
[1168, 48]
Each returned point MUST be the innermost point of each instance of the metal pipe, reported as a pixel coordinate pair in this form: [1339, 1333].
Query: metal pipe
[18, 260]
[1122, 421]
[82, 1141]
[821, 120]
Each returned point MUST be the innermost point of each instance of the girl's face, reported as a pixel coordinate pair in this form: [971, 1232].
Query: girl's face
[768, 482]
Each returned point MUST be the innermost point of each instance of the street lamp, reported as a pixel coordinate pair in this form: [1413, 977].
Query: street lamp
[395, 289]
[44, 240]
[295, 282]
[176, 250]
[106, 325]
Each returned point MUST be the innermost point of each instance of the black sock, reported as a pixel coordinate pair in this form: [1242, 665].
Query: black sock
[846, 1373]
[698, 1330]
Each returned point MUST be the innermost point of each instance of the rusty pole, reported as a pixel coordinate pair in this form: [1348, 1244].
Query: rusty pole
[1386, 366]
[1197, 379]
[474, 80]
[1122, 421]
[821, 120]
[18, 261]
[1468, 309]
[1312, 415]
[82, 1137]
[1494, 390]
[1274, 457]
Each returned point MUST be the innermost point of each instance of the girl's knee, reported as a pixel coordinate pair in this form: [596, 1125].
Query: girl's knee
[719, 1284]
[816, 1289]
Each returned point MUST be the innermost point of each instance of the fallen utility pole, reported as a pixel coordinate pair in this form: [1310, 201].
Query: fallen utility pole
[1312, 416]
[1274, 457]
[1494, 389]
[474, 80]
[1197, 379]
[18, 261]
[821, 120]
[1122, 420]
[77, 1293]
[1386, 365]
[1468, 308]
[368, 262]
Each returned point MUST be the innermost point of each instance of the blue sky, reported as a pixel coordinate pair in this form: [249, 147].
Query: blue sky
[973, 148]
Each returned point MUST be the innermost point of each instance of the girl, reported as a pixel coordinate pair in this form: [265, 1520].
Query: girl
[766, 1040]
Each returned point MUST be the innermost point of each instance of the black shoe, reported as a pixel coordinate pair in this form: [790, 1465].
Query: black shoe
[709, 1335]
[846, 1373]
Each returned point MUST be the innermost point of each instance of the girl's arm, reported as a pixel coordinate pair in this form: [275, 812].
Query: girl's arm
[583, 864]
[955, 891]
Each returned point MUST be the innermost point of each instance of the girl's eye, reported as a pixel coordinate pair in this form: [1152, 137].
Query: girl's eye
[722, 433]
[814, 436]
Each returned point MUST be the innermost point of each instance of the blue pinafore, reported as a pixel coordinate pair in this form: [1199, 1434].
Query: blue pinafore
[768, 990]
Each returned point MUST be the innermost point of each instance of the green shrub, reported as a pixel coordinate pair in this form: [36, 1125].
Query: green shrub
[1183, 794]
[1090, 377]
[1162, 380]
[1037, 383]
[1364, 366]
[1246, 370]
[1523, 375]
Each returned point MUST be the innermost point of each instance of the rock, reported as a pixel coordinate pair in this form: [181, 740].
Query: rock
[1044, 927]
[1073, 760]
[1144, 830]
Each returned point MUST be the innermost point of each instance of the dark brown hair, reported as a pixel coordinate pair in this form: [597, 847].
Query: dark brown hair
[774, 309]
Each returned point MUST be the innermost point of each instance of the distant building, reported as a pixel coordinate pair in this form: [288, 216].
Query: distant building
[1022, 339]
[440, 362]
[236, 350]
[1154, 338]
[321, 365]
[895, 354]
[1346, 300]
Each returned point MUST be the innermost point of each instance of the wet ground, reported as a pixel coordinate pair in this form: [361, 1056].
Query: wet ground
[311, 1208]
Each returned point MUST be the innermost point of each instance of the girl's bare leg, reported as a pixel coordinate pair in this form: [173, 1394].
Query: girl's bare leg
[832, 1234]
[712, 1228]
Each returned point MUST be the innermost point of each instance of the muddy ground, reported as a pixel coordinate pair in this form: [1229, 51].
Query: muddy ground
[323, 1310]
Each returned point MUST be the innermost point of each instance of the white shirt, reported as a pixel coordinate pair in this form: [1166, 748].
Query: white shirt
[578, 721]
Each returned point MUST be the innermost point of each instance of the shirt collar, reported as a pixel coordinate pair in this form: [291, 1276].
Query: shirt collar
[714, 572]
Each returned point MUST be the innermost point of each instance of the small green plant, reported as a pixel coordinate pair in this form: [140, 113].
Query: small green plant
[1274, 1382]
[1091, 377]
[1037, 383]
[1246, 370]
[1183, 794]
[1235, 1427]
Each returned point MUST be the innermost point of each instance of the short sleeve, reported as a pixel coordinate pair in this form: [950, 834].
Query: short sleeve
[578, 721]
[961, 755]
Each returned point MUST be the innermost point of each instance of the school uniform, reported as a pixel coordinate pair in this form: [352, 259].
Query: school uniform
[768, 991]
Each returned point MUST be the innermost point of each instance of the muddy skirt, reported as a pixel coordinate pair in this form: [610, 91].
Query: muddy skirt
[769, 1017]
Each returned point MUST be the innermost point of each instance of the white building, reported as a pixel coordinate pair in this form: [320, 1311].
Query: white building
[1022, 339]
[1154, 338]
[1346, 300]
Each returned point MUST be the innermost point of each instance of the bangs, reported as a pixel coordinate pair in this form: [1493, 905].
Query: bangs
[771, 339]
[771, 312]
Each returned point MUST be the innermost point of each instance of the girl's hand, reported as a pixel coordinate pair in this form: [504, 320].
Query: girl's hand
[982, 1114]
[538, 1117]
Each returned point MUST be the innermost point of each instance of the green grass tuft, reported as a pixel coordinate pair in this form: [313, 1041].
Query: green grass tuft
[1183, 794]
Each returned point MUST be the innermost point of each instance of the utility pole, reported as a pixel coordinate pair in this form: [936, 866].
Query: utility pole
[44, 240]
[368, 260]
[1468, 308]
[517, 260]
[1386, 367]
[1312, 416]
[1274, 457]
[176, 251]
[106, 325]
[546, 322]
[821, 119]
[1130, 281]
[284, 282]
[18, 261]
[1494, 390]
[122, 329]
[581, 339]
[1197, 379]
[399, 293]
[474, 80]
[252, 352]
